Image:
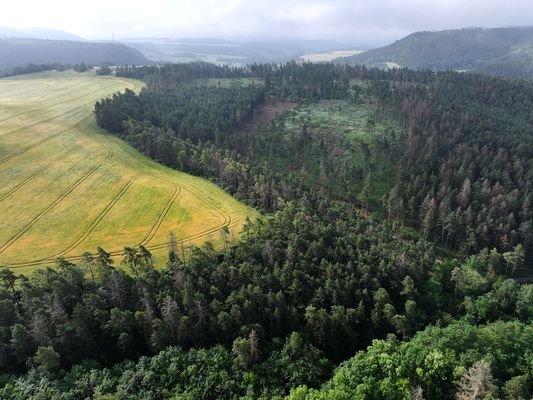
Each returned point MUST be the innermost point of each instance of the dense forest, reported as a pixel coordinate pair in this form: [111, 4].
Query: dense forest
[397, 217]
[468, 162]
[461, 142]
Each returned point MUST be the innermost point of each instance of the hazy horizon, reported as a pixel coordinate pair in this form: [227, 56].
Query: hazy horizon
[338, 20]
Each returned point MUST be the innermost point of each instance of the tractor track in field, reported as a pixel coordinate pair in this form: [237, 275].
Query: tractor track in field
[49, 118]
[106, 89]
[110, 205]
[11, 80]
[91, 228]
[161, 217]
[150, 236]
[99, 217]
[38, 172]
[34, 220]
[231, 223]
[76, 84]
[32, 146]
[117, 253]
[11, 156]
[51, 92]
[170, 203]
[227, 220]
[106, 210]
[186, 187]
[71, 113]
[177, 188]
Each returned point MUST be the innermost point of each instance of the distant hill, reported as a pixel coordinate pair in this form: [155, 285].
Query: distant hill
[15, 52]
[52, 34]
[38, 33]
[6, 32]
[238, 52]
[498, 51]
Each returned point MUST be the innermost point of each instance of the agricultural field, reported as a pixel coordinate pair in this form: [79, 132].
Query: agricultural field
[329, 55]
[67, 187]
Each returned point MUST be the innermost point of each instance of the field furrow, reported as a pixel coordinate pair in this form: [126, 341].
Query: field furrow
[67, 187]
[36, 173]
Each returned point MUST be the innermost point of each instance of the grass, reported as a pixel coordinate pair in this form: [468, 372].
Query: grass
[67, 187]
[342, 127]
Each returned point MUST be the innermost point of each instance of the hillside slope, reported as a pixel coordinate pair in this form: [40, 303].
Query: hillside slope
[499, 51]
[19, 52]
[66, 188]
[7, 32]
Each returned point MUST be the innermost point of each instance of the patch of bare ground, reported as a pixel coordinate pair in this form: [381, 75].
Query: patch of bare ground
[272, 109]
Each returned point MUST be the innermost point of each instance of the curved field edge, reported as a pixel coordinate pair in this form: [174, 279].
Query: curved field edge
[194, 209]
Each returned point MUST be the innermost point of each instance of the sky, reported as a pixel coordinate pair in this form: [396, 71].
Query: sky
[341, 20]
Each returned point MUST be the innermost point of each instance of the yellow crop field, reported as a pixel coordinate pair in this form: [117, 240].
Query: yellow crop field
[67, 187]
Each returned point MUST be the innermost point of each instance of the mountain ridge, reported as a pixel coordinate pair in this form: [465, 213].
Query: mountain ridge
[16, 52]
[7, 32]
[498, 51]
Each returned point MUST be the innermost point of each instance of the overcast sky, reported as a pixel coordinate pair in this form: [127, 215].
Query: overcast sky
[346, 20]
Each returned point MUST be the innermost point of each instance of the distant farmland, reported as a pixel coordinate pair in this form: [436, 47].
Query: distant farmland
[66, 187]
[329, 56]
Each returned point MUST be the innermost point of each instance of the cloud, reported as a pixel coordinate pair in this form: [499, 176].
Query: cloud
[348, 20]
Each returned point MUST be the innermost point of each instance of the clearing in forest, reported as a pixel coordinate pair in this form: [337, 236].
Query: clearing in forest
[67, 187]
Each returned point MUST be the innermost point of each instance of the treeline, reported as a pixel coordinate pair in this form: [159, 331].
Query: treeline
[198, 113]
[159, 75]
[317, 268]
[207, 112]
[33, 68]
[249, 183]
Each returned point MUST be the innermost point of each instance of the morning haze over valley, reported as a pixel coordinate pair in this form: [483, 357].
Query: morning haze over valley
[291, 200]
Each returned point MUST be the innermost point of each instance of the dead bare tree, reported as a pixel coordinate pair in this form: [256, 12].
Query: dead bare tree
[476, 383]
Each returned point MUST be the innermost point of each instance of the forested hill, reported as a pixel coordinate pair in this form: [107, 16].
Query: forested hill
[400, 225]
[498, 51]
[20, 52]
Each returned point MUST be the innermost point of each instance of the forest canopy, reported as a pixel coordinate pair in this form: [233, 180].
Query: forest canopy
[394, 245]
